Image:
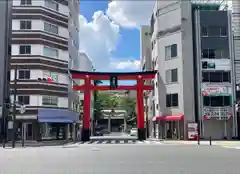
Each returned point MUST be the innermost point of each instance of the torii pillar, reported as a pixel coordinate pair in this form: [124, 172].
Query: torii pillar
[87, 109]
[140, 110]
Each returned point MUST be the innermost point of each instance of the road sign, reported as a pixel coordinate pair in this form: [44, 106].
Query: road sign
[22, 109]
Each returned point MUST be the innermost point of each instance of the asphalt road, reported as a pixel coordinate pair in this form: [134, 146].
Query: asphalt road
[121, 159]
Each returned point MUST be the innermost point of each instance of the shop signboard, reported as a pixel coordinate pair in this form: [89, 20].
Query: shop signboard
[219, 113]
[192, 131]
[216, 90]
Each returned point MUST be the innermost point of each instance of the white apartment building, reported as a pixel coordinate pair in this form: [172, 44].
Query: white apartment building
[183, 35]
[45, 45]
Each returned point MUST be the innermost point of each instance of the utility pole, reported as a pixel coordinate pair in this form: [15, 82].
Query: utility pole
[14, 107]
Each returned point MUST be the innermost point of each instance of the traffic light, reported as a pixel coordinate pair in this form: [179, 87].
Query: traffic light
[113, 82]
[49, 79]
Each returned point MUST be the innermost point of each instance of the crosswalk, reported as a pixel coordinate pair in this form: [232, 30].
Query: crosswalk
[113, 142]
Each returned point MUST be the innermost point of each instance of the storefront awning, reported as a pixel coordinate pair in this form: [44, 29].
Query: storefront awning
[47, 115]
[169, 117]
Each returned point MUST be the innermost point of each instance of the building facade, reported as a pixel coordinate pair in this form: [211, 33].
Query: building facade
[45, 45]
[147, 63]
[194, 83]
[236, 42]
[5, 51]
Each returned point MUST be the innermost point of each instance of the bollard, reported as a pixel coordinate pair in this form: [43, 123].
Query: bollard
[198, 139]
[23, 136]
[210, 140]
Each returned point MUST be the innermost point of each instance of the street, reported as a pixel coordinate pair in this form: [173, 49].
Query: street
[120, 158]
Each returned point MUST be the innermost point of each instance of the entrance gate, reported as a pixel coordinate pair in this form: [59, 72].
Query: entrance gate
[88, 87]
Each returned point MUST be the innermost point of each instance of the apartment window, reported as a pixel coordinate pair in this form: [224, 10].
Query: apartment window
[24, 100]
[50, 100]
[24, 74]
[215, 53]
[25, 25]
[170, 51]
[214, 31]
[51, 4]
[50, 28]
[172, 100]
[216, 101]
[26, 2]
[204, 31]
[223, 31]
[25, 49]
[174, 75]
[50, 52]
[216, 76]
[171, 76]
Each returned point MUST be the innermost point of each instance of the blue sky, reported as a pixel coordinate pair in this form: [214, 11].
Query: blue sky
[128, 43]
[120, 36]
[109, 33]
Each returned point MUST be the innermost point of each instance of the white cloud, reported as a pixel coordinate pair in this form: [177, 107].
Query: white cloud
[130, 14]
[98, 38]
[125, 64]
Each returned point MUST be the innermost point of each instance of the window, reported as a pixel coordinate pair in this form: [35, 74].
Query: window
[223, 31]
[214, 31]
[216, 76]
[215, 54]
[174, 75]
[25, 25]
[50, 52]
[171, 76]
[170, 51]
[26, 2]
[25, 49]
[50, 100]
[216, 101]
[51, 4]
[172, 100]
[50, 28]
[24, 100]
[204, 31]
[24, 74]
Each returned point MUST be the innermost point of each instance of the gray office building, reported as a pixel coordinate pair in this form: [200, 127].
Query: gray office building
[5, 51]
[192, 49]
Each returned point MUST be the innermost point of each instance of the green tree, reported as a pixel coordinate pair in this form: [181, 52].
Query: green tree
[130, 106]
[97, 114]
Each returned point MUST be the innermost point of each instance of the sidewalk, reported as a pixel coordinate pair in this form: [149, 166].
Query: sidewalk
[204, 142]
[38, 144]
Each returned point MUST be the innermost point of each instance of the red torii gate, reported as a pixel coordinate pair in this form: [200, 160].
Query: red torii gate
[88, 86]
